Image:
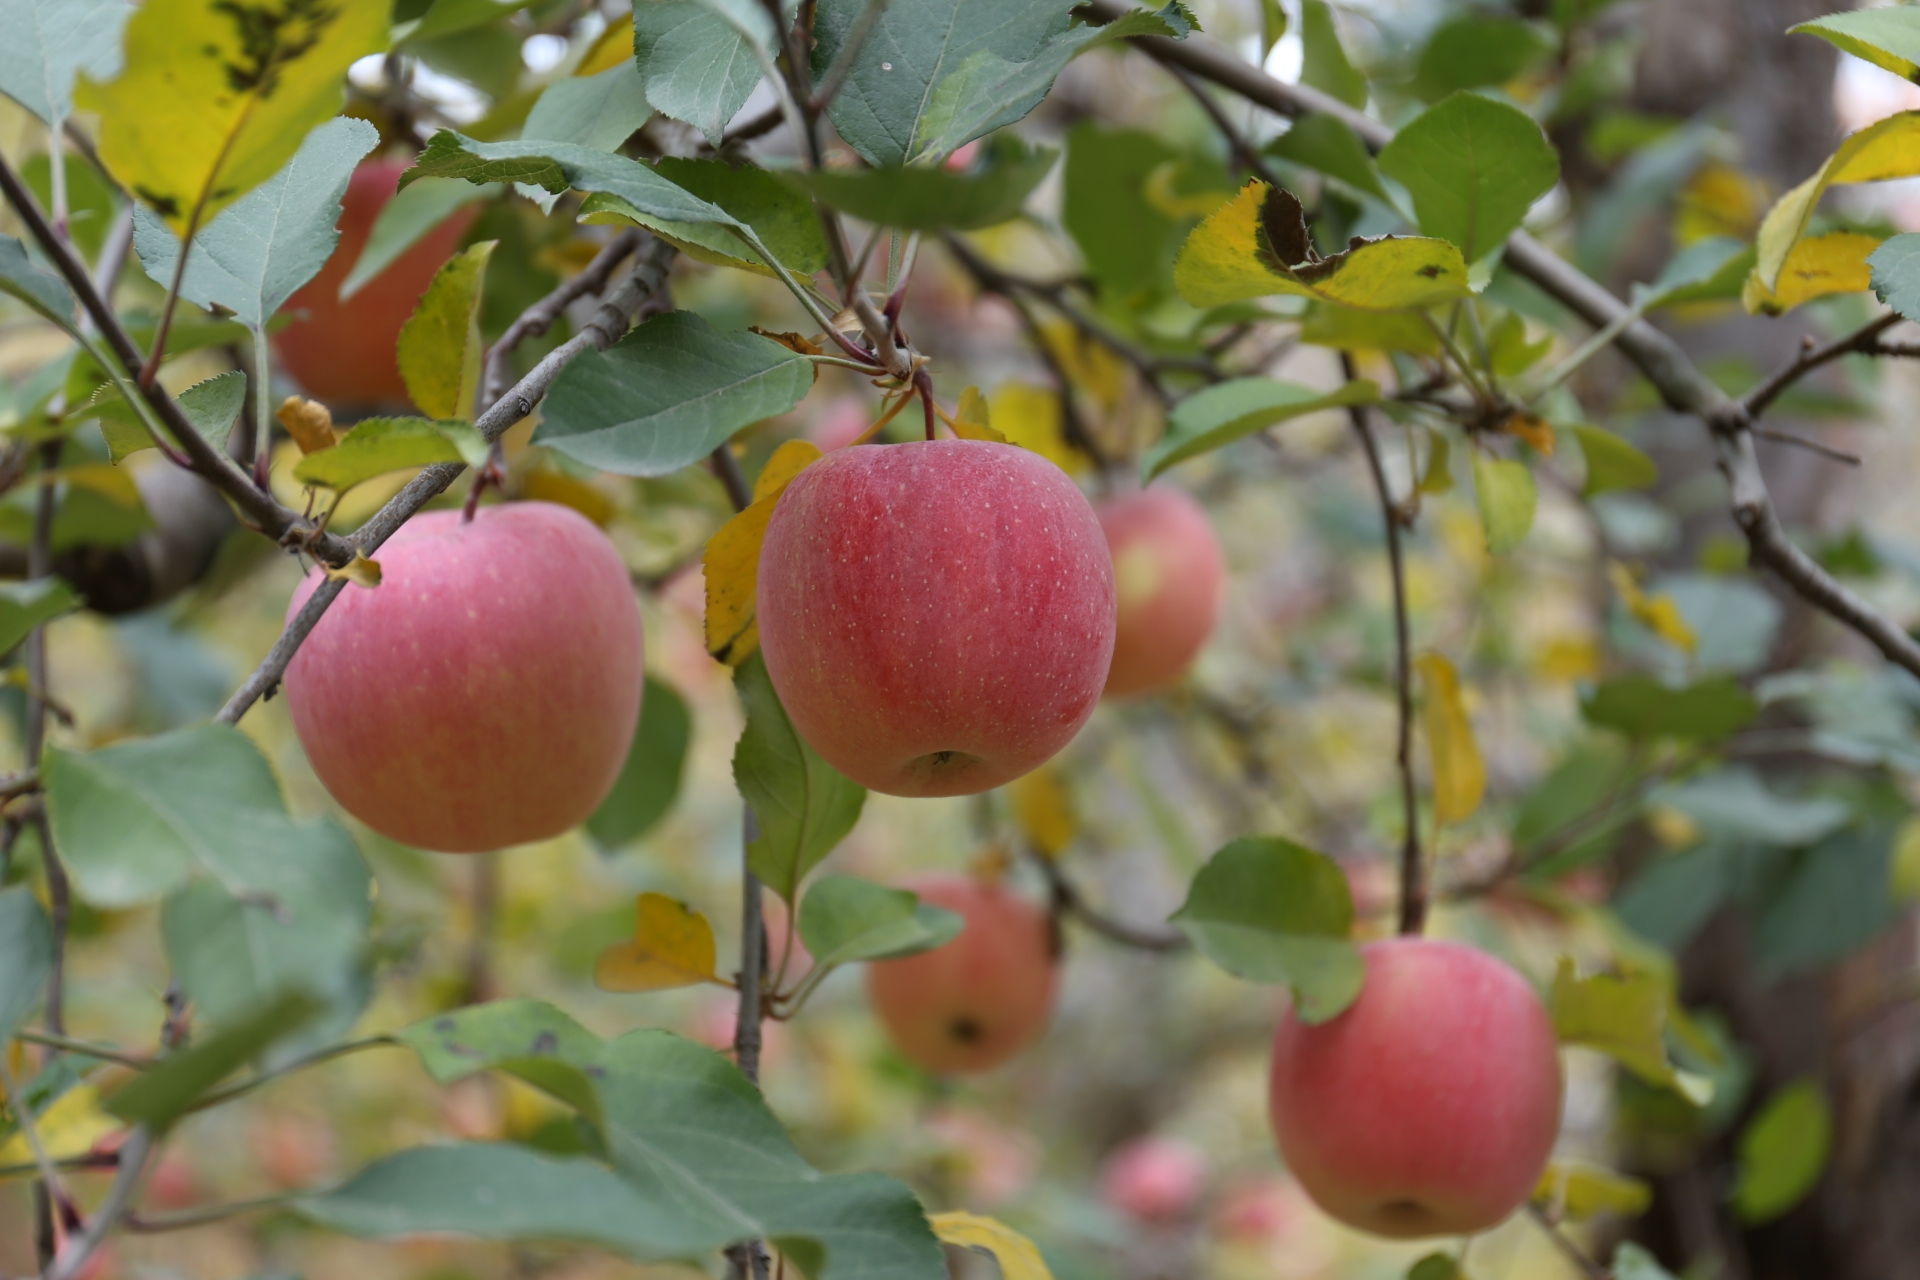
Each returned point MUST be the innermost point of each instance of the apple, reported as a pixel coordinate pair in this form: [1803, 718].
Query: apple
[937, 617]
[1154, 1178]
[1169, 575]
[975, 1002]
[485, 693]
[343, 352]
[1430, 1106]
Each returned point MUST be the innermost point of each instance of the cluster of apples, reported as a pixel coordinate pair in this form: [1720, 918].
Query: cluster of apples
[939, 618]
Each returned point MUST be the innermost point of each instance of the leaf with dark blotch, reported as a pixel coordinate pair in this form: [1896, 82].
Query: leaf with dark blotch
[1284, 241]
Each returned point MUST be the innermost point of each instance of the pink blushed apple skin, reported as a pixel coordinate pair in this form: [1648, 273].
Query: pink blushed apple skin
[485, 693]
[1154, 1178]
[937, 617]
[1430, 1106]
[972, 1004]
[1169, 576]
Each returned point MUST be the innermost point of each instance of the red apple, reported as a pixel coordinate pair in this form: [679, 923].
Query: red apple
[343, 352]
[1430, 1106]
[1154, 1178]
[936, 616]
[1168, 574]
[485, 693]
[972, 1004]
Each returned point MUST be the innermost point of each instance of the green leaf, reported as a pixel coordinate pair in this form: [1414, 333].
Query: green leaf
[1826, 903]
[1127, 243]
[1325, 66]
[1329, 144]
[1612, 463]
[698, 58]
[912, 49]
[162, 1094]
[598, 111]
[272, 240]
[423, 205]
[377, 446]
[1888, 38]
[845, 918]
[1351, 329]
[1623, 1017]
[1783, 1152]
[215, 98]
[33, 284]
[529, 1038]
[90, 513]
[780, 214]
[26, 957]
[1503, 488]
[934, 198]
[211, 406]
[49, 42]
[1437, 1266]
[558, 166]
[1711, 270]
[1734, 802]
[492, 1191]
[1473, 167]
[1270, 910]
[26, 605]
[650, 778]
[1472, 51]
[668, 394]
[803, 805]
[1631, 1262]
[1642, 707]
[445, 17]
[1230, 411]
[440, 349]
[1896, 273]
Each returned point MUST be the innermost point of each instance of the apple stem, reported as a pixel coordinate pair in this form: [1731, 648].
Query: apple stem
[494, 474]
[923, 383]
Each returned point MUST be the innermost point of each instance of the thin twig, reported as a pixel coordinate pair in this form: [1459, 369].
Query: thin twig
[314, 1059]
[1068, 900]
[1811, 357]
[539, 317]
[645, 285]
[1413, 878]
[1811, 446]
[1568, 1249]
[104, 1052]
[1237, 144]
[30, 1130]
[206, 1214]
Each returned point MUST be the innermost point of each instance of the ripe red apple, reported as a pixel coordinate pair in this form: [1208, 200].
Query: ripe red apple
[1154, 1178]
[1430, 1106]
[972, 1004]
[485, 693]
[343, 352]
[1168, 574]
[936, 616]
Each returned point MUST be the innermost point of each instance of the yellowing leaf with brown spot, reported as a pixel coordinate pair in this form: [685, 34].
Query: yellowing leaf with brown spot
[1835, 263]
[1044, 810]
[1226, 260]
[1658, 613]
[214, 98]
[1459, 775]
[672, 946]
[309, 422]
[1019, 1259]
[1029, 416]
[1536, 431]
[68, 1128]
[731, 561]
[1880, 152]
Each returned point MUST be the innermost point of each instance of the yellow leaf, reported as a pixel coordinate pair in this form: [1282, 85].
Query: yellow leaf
[1835, 263]
[1623, 1017]
[569, 491]
[440, 350]
[214, 98]
[1017, 1256]
[1580, 1191]
[110, 482]
[1886, 150]
[1227, 259]
[731, 561]
[360, 571]
[1459, 776]
[972, 419]
[1089, 366]
[309, 422]
[1905, 872]
[614, 47]
[1029, 416]
[672, 946]
[1671, 827]
[1179, 206]
[67, 1129]
[1350, 329]
[1044, 810]
[1536, 431]
[1658, 613]
[1567, 658]
[1719, 200]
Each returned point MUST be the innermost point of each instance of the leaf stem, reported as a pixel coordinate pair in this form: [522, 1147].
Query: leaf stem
[104, 1052]
[313, 1059]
